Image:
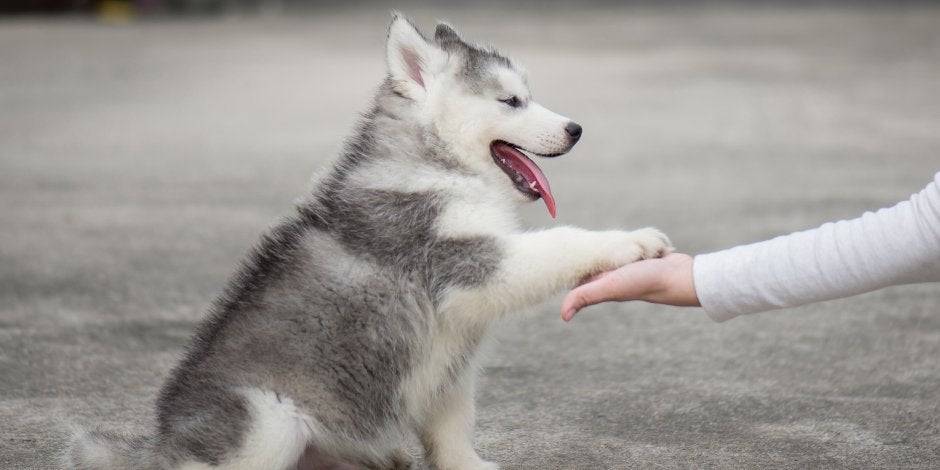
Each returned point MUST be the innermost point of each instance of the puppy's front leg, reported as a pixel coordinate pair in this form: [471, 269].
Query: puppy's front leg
[536, 265]
[447, 435]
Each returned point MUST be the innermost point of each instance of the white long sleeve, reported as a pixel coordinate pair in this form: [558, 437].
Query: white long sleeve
[898, 245]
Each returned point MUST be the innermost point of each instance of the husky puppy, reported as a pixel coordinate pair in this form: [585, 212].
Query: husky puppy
[354, 324]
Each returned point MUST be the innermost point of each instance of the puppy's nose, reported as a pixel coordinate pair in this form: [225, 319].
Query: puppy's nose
[574, 130]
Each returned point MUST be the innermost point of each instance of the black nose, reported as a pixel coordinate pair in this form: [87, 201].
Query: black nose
[574, 130]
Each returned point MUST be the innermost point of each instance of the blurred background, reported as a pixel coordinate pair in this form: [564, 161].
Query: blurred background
[145, 145]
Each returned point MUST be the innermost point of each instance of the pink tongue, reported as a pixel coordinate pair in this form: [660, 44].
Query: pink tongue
[530, 171]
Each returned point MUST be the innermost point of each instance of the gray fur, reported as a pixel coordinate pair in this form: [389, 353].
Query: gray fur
[476, 60]
[331, 309]
[200, 417]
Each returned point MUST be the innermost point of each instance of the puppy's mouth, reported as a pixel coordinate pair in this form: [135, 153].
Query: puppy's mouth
[526, 176]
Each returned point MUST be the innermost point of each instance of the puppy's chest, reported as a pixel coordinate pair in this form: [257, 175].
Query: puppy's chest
[469, 218]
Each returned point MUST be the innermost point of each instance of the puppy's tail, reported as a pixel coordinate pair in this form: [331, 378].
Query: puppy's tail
[104, 450]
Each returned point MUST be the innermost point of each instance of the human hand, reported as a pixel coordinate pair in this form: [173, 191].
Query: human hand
[666, 280]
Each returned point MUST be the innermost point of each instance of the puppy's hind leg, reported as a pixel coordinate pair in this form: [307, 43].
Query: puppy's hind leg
[275, 438]
[279, 434]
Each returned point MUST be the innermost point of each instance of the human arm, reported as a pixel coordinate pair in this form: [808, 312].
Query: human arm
[897, 245]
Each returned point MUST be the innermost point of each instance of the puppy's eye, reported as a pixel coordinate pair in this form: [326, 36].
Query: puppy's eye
[512, 102]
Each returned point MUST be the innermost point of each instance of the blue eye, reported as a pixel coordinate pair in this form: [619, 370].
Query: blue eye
[512, 102]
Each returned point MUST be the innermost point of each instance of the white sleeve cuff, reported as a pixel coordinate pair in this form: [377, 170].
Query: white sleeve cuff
[707, 276]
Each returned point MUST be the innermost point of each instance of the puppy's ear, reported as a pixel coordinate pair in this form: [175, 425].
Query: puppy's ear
[447, 37]
[412, 60]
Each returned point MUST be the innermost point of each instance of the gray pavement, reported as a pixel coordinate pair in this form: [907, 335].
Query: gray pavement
[138, 162]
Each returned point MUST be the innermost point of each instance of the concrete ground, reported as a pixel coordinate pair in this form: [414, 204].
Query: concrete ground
[138, 162]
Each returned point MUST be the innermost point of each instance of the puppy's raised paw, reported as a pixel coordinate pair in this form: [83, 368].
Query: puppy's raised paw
[652, 243]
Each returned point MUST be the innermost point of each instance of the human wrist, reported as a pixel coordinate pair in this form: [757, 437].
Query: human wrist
[677, 284]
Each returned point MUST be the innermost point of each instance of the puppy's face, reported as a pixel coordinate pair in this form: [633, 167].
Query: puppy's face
[480, 106]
